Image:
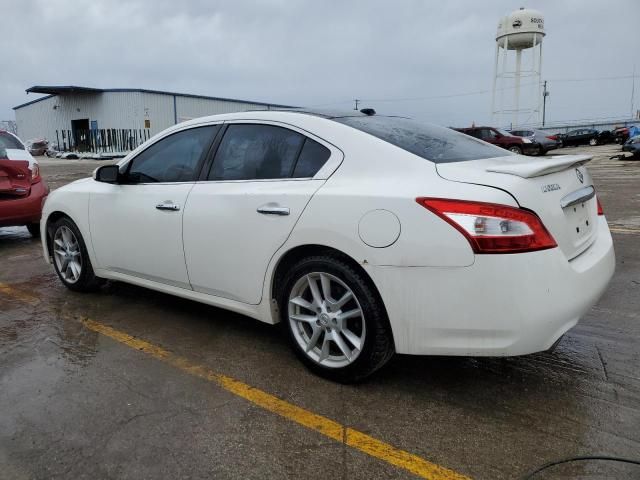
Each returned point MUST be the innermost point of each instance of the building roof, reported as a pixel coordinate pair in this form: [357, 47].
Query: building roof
[71, 89]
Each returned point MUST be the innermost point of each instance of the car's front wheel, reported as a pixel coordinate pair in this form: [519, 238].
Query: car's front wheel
[335, 320]
[70, 257]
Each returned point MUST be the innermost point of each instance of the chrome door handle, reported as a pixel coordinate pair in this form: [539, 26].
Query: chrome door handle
[168, 206]
[273, 209]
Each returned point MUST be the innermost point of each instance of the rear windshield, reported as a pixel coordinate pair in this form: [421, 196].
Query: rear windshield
[9, 141]
[437, 144]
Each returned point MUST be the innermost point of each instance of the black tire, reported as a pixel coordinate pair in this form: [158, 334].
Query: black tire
[34, 229]
[541, 151]
[378, 346]
[515, 149]
[87, 281]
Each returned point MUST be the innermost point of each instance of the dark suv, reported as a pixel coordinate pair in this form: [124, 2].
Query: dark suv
[502, 139]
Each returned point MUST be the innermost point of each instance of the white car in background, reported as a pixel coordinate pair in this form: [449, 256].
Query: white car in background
[365, 234]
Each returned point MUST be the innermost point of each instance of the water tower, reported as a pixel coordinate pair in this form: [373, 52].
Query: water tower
[518, 57]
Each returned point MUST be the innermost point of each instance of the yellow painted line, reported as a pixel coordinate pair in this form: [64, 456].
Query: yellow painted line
[327, 427]
[18, 294]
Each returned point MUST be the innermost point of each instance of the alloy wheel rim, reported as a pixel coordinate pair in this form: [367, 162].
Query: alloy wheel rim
[331, 332]
[67, 255]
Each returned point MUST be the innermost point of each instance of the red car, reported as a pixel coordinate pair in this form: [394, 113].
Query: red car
[502, 139]
[22, 189]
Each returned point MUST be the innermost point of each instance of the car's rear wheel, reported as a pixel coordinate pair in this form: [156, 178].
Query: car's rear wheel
[34, 229]
[335, 320]
[593, 142]
[70, 257]
[515, 149]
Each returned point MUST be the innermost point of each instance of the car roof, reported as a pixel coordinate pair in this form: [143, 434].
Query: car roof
[279, 114]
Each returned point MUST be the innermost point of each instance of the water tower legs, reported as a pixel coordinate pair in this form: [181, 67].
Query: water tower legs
[516, 100]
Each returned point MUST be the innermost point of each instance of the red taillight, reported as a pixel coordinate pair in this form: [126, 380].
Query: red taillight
[490, 227]
[600, 209]
[35, 173]
[552, 137]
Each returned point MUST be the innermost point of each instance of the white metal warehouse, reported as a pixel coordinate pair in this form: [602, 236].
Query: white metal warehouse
[69, 110]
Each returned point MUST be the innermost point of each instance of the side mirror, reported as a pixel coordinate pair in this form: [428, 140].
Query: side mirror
[107, 174]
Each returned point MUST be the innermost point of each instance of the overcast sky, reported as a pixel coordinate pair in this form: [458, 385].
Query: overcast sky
[395, 55]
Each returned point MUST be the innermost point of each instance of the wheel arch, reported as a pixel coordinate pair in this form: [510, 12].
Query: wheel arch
[53, 217]
[298, 252]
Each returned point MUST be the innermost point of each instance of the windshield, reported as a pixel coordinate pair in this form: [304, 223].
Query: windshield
[437, 144]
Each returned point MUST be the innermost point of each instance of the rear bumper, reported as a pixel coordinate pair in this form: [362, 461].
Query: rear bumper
[22, 211]
[502, 305]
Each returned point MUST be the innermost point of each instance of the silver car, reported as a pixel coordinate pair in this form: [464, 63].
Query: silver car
[544, 140]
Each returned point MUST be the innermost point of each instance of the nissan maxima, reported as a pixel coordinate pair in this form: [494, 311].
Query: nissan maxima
[363, 234]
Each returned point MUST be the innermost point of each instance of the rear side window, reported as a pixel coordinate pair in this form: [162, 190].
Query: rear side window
[256, 152]
[312, 157]
[437, 144]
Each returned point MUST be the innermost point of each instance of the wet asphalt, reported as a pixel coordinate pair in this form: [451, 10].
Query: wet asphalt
[75, 404]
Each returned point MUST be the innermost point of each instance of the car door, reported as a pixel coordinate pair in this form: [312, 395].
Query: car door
[261, 179]
[572, 137]
[585, 136]
[488, 135]
[136, 224]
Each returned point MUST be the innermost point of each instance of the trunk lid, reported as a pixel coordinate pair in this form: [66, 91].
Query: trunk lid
[15, 178]
[558, 189]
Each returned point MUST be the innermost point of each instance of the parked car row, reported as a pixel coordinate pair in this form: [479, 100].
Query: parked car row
[591, 136]
[537, 142]
[528, 142]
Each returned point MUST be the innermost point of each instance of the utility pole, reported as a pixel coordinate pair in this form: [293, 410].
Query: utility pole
[357, 102]
[633, 88]
[545, 94]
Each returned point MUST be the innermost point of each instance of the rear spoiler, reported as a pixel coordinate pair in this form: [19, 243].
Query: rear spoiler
[542, 166]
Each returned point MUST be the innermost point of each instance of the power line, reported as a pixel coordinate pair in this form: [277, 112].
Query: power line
[590, 79]
[477, 92]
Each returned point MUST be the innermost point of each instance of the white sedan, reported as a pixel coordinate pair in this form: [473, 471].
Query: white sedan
[365, 234]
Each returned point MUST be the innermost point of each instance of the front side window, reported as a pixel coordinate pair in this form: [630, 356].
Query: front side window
[256, 152]
[474, 132]
[174, 158]
[488, 134]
